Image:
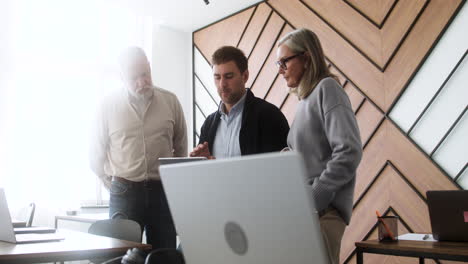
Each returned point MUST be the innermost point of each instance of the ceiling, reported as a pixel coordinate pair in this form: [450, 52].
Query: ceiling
[186, 15]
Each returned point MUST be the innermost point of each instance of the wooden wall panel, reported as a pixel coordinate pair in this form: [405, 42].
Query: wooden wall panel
[389, 144]
[356, 98]
[262, 83]
[368, 118]
[259, 18]
[398, 25]
[358, 68]
[409, 159]
[374, 10]
[338, 74]
[289, 108]
[374, 47]
[277, 92]
[227, 32]
[265, 43]
[369, 38]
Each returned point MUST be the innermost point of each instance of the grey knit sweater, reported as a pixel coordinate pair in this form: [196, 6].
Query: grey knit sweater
[326, 133]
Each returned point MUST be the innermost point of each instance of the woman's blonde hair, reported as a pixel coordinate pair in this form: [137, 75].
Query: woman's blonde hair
[304, 40]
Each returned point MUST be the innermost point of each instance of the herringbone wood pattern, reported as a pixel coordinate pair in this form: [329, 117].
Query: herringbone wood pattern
[374, 47]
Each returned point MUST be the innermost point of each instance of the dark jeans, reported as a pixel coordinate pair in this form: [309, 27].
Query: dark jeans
[145, 203]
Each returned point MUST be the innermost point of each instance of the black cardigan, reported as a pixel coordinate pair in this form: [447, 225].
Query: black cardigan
[264, 127]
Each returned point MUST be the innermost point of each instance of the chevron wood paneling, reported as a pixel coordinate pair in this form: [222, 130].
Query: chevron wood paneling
[356, 98]
[338, 50]
[388, 143]
[277, 93]
[289, 107]
[338, 74]
[227, 32]
[369, 39]
[374, 47]
[255, 27]
[264, 44]
[368, 118]
[374, 10]
[262, 82]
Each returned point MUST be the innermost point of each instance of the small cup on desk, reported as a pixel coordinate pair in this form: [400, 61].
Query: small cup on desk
[388, 228]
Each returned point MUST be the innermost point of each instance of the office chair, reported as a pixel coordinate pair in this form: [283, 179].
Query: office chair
[31, 211]
[124, 229]
[26, 214]
[165, 255]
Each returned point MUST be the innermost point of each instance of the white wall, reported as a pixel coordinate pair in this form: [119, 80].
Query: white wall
[171, 63]
[4, 51]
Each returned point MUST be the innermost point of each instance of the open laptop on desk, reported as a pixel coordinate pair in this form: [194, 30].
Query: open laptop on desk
[7, 232]
[34, 230]
[448, 211]
[251, 209]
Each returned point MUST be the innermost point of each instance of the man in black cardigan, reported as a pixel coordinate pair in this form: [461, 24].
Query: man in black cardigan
[243, 124]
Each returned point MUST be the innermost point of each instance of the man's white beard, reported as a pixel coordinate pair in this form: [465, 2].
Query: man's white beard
[142, 96]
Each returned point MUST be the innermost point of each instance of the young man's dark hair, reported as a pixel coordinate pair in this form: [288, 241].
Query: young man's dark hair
[229, 53]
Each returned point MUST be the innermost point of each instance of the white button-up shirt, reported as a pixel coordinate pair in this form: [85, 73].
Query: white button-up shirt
[128, 144]
[226, 143]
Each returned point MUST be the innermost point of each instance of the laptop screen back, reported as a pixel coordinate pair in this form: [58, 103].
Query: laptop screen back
[253, 209]
[6, 227]
[448, 211]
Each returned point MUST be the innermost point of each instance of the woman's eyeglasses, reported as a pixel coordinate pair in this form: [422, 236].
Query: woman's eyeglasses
[282, 63]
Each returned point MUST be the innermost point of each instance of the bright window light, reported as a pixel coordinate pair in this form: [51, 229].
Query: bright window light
[61, 60]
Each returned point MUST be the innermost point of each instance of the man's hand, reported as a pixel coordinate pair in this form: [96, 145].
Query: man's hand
[286, 149]
[202, 150]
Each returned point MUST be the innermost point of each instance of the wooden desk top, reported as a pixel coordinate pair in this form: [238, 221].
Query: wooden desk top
[75, 246]
[436, 247]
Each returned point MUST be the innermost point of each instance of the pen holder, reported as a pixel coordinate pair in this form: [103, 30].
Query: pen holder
[388, 228]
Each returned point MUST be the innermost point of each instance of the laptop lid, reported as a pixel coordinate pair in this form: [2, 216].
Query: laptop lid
[448, 211]
[33, 230]
[7, 232]
[174, 160]
[251, 209]
[6, 227]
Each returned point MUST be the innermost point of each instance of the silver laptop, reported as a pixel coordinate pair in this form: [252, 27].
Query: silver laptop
[251, 209]
[7, 233]
[174, 160]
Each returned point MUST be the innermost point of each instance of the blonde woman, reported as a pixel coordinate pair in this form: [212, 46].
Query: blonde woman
[324, 131]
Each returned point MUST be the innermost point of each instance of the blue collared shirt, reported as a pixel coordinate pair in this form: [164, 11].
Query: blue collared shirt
[226, 143]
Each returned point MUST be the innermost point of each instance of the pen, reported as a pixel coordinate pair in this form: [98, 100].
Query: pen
[379, 217]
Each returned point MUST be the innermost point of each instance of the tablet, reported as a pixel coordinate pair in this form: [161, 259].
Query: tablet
[174, 160]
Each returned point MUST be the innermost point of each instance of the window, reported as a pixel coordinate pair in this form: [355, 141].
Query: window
[62, 59]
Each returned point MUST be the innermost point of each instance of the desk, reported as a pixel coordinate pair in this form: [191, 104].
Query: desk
[76, 246]
[83, 218]
[457, 251]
